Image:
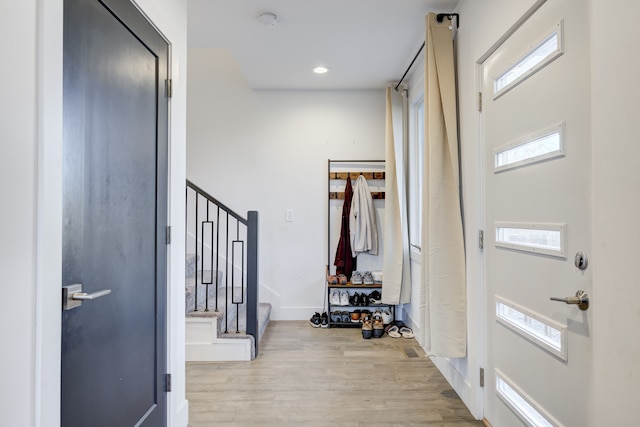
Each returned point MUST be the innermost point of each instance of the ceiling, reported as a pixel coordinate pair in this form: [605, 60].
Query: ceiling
[367, 44]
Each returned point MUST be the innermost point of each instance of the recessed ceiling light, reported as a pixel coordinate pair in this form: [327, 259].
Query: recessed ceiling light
[269, 19]
[320, 69]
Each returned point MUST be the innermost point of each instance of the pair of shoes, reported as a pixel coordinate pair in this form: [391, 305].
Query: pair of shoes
[359, 299]
[398, 329]
[316, 320]
[367, 328]
[378, 326]
[356, 278]
[334, 297]
[368, 278]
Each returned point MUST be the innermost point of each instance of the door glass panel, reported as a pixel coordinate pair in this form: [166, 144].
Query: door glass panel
[543, 145]
[541, 54]
[546, 239]
[540, 330]
[521, 404]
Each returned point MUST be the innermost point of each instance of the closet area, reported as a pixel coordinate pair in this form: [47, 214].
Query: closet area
[355, 219]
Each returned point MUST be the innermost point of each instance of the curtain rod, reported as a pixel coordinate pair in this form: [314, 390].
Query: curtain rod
[439, 17]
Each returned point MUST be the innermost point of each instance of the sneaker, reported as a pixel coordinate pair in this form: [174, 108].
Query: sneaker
[346, 317]
[375, 297]
[336, 317]
[354, 299]
[334, 298]
[368, 278]
[356, 278]
[386, 317]
[364, 299]
[324, 320]
[355, 316]
[315, 320]
[344, 298]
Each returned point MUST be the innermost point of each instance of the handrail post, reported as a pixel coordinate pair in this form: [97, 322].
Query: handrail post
[252, 277]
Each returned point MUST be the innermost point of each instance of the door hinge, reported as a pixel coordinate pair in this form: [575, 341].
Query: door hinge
[167, 382]
[480, 101]
[481, 377]
[168, 235]
[481, 239]
[169, 83]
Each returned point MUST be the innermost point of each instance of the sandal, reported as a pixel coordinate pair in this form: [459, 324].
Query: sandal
[392, 331]
[406, 332]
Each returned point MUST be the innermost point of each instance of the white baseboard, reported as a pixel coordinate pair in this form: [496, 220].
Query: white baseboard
[455, 379]
[181, 417]
[203, 345]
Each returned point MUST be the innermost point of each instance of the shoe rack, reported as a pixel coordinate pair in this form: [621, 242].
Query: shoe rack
[336, 177]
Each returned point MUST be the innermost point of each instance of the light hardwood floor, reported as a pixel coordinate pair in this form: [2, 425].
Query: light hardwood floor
[308, 376]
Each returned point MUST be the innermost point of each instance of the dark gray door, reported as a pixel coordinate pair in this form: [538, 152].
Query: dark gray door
[114, 213]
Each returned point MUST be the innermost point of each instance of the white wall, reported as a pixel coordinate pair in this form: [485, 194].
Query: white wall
[615, 103]
[268, 151]
[30, 188]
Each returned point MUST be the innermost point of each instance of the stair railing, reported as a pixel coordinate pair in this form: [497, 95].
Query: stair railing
[223, 241]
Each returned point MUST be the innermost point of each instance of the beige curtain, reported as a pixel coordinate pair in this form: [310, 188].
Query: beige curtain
[443, 260]
[396, 268]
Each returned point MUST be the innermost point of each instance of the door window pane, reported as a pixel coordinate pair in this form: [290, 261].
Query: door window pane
[538, 56]
[545, 239]
[543, 145]
[522, 405]
[540, 330]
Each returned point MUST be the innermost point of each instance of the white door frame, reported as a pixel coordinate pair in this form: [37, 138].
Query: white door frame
[482, 315]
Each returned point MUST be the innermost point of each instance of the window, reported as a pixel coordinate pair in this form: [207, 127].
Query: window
[540, 330]
[545, 239]
[416, 168]
[523, 406]
[543, 145]
[539, 55]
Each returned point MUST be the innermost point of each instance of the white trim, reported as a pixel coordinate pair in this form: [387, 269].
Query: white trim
[520, 330]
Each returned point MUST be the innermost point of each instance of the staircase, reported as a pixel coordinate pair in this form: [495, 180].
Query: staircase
[224, 319]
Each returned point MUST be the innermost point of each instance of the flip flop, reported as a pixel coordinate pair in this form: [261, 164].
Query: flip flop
[392, 331]
[406, 332]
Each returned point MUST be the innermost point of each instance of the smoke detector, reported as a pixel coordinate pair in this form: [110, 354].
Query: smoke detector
[269, 19]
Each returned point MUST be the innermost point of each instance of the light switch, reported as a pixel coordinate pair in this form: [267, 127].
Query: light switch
[288, 215]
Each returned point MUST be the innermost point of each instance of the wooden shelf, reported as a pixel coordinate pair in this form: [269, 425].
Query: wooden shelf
[355, 175]
[352, 286]
[340, 195]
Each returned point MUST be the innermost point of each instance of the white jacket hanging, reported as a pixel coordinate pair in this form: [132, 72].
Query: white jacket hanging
[363, 225]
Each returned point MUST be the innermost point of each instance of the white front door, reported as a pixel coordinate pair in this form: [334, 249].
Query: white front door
[537, 217]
